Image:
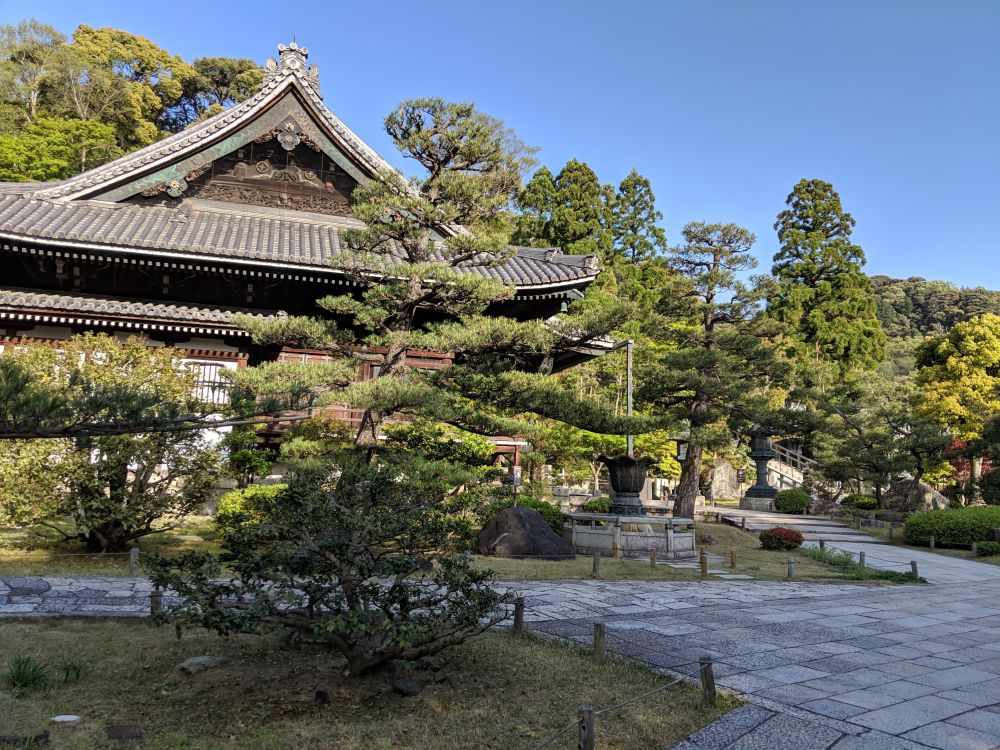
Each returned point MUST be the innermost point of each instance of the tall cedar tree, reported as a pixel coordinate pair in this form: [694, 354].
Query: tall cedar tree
[636, 235]
[823, 295]
[571, 211]
[715, 366]
[356, 530]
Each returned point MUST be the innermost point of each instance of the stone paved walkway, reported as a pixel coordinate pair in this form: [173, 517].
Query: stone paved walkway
[813, 528]
[825, 667]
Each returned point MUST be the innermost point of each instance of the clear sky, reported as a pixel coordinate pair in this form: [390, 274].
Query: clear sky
[723, 104]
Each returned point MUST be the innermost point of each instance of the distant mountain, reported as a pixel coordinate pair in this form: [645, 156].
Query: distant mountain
[917, 307]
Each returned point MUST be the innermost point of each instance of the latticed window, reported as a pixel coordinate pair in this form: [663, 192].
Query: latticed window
[210, 386]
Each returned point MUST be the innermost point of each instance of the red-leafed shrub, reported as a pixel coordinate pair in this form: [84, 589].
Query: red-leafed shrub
[780, 538]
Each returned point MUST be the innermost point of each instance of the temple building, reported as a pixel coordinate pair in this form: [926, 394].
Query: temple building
[240, 213]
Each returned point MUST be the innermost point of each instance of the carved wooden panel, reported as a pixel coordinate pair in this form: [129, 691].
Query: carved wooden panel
[267, 174]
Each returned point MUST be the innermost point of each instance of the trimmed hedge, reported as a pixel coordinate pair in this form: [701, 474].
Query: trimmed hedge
[780, 538]
[952, 526]
[597, 505]
[792, 501]
[987, 549]
[860, 502]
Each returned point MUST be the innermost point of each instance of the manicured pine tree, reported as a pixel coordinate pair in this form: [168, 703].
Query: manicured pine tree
[715, 367]
[341, 556]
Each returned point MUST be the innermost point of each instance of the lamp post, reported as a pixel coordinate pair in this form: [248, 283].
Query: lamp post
[761, 495]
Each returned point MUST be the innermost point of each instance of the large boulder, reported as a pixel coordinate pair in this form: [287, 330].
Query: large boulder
[907, 496]
[522, 532]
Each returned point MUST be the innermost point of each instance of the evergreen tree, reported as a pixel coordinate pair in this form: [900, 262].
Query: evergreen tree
[714, 367]
[635, 233]
[571, 211]
[823, 296]
[343, 549]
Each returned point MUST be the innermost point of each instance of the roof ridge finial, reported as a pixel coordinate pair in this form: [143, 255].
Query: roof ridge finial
[292, 59]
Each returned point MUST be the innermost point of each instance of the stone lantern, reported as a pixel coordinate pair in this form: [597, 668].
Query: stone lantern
[628, 477]
[761, 495]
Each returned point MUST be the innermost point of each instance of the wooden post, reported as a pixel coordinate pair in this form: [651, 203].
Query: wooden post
[732, 558]
[743, 522]
[822, 543]
[587, 736]
[861, 558]
[133, 562]
[703, 559]
[652, 557]
[155, 602]
[597, 566]
[913, 568]
[708, 693]
[519, 615]
[791, 567]
[599, 641]
[933, 541]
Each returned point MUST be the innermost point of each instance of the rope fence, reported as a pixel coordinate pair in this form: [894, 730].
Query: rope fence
[586, 721]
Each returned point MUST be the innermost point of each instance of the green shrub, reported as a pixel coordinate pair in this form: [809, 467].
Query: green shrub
[987, 549]
[780, 538]
[26, 673]
[792, 501]
[958, 527]
[860, 502]
[552, 513]
[246, 501]
[597, 505]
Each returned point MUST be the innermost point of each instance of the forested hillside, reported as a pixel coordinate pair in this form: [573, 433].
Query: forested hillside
[917, 307]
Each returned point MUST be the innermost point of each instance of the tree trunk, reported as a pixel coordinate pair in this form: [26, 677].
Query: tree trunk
[687, 488]
[975, 474]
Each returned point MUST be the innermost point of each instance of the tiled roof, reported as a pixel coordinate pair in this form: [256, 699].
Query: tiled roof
[195, 138]
[66, 213]
[238, 233]
[94, 305]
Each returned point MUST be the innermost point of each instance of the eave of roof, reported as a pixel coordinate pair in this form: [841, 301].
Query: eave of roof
[80, 309]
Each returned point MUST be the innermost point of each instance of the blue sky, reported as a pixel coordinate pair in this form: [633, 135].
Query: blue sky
[723, 104]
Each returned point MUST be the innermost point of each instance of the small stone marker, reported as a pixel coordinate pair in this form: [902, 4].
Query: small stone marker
[597, 566]
[861, 558]
[933, 540]
[791, 567]
[405, 687]
[65, 719]
[199, 664]
[519, 615]
[913, 567]
[124, 732]
[652, 557]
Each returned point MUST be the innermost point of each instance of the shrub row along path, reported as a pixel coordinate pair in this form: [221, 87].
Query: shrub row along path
[825, 666]
[934, 567]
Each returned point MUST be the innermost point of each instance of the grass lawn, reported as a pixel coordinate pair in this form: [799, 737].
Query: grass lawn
[496, 691]
[750, 560]
[22, 553]
[26, 552]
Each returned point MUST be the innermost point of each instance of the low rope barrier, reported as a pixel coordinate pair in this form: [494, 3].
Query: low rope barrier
[586, 723]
